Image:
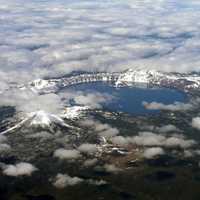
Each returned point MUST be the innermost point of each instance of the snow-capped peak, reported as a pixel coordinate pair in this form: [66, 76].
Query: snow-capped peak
[40, 117]
[44, 119]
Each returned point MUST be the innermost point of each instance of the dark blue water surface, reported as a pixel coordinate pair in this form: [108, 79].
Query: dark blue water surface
[129, 99]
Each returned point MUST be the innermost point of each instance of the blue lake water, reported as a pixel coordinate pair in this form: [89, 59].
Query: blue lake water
[129, 99]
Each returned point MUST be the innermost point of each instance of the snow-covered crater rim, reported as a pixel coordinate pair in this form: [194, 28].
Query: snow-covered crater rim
[127, 78]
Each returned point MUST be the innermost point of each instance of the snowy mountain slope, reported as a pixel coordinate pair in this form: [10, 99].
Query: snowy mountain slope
[39, 119]
[138, 76]
[44, 119]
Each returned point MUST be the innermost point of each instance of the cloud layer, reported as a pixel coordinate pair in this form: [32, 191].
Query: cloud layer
[56, 37]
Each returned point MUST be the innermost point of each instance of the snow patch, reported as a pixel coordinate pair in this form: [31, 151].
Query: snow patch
[74, 112]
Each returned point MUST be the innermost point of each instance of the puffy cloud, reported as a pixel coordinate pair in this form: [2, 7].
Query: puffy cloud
[120, 140]
[4, 147]
[152, 152]
[188, 153]
[191, 153]
[89, 99]
[145, 138]
[149, 139]
[103, 130]
[20, 169]
[44, 102]
[96, 182]
[90, 162]
[179, 142]
[99, 126]
[167, 128]
[93, 100]
[27, 101]
[111, 168]
[108, 133]
[3, 138]
[64, 180]
[67, 154]
[88, 148]
[177, 106]
[196, 123]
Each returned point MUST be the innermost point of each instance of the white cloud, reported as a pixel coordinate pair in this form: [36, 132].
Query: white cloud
[64, 180]
[111, 168]
[179, 142]
[149, 139]
[108, 133]
[152, 152]
[3, 138]
[103, 130]
[93, 100]
[177, 106]
[99, 126]
[96, 182]
[20, 169]
[67, 154]
[188, 153]
[90, 162]
[27, 101]
[4, 147]
[90, 99]
[120, 140]
[196, 123]
[145, 138]
[88, 148]
[167, 128]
